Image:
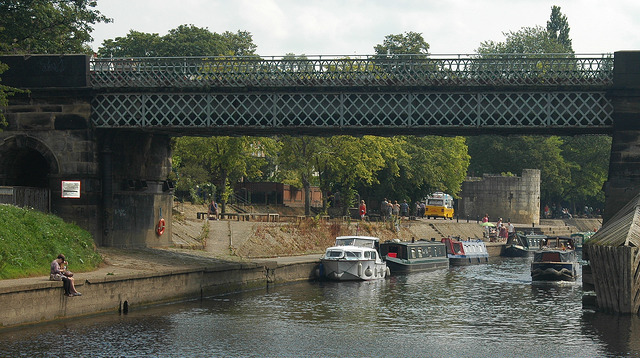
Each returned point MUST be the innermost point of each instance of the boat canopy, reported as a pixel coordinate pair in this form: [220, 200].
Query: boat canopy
[554, 256]
[362, 241]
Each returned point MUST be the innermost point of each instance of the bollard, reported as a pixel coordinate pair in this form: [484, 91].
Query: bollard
[457, 218]
[467, 218]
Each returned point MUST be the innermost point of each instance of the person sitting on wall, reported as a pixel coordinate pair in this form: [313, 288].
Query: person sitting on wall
[213, 210]
[59, 272]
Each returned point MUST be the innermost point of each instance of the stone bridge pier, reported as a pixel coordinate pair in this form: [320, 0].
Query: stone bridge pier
[137, 196]
[624, 166]
[115, 180]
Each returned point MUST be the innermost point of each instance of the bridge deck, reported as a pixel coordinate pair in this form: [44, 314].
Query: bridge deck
[365, 95]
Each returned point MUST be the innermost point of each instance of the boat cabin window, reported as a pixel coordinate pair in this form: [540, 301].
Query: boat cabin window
[334, 253]
[350, 255]
[370, 255]
[457, 248]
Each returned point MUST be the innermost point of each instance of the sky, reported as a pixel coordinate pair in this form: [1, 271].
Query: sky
[354, 27]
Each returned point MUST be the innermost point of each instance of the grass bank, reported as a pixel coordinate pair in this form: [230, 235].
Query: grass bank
[30, 240]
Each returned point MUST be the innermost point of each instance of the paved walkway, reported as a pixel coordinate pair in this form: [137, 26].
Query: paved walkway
[143, 262]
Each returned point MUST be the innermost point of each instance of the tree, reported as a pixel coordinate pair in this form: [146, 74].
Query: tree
[571, 170]
[135, 44]
[415, 167]
[297, 158]
[222, 161]
[185, 40]
[408, 43]
[512, 154]
[48, 26]
[589, 155]
[558, 28]
[5, 93]
[528, 40]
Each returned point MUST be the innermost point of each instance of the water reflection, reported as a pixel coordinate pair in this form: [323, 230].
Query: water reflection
[475, 311]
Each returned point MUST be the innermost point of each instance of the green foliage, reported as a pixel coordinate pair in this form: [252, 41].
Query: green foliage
[528, 40]
[30, 240]
[589, 156]
[221, 161]
[417, 166]
[5, 93]
[185, 40]
[135, 44]
[48, 26]
[558, 28]
[408, 43]
[573, 169]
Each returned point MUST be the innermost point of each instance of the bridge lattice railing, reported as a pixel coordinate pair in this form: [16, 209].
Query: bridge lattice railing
[335, 71]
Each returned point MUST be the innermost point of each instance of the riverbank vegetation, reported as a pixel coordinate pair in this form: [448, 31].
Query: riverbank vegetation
[30, 240]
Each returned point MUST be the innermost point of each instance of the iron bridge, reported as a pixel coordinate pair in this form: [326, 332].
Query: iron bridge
[379, 94]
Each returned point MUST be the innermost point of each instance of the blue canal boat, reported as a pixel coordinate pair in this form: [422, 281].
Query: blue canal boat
[466, 252]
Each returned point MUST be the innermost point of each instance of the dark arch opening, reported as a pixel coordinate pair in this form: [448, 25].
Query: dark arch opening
[25, 167]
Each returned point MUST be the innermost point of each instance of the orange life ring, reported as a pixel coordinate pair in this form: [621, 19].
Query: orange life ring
[161, 227]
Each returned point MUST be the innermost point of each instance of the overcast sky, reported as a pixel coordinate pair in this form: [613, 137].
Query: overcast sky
[348, 27]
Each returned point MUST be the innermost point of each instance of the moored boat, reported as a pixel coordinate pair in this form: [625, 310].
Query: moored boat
[555, 261]
[521, 245]
[353, 258]
[421, 255]
[580, 238]
[466, 252]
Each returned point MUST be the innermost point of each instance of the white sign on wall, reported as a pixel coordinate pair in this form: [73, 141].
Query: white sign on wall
[71, 189]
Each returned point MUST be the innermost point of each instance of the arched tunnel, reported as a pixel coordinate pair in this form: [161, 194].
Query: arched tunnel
[24, 167]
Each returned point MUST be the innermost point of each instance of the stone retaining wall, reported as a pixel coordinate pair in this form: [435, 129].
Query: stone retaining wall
[44, 301]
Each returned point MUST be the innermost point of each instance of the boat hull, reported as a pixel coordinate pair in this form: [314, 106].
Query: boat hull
[352, 270]
[465, 260]
[406, 266]
[554, 271]
[517, 251]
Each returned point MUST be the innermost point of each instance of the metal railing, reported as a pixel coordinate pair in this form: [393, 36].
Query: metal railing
[340, 71]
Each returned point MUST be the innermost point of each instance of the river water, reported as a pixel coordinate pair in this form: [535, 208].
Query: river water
[489, 310]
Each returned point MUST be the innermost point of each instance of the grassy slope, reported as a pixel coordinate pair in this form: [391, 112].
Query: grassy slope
[30, 240]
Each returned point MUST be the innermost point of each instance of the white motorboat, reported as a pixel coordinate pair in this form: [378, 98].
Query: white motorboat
[353, 258]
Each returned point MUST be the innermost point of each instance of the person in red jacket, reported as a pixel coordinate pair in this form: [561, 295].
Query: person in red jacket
[363, 209]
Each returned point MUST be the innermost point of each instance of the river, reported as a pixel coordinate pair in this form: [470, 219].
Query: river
[490, 310]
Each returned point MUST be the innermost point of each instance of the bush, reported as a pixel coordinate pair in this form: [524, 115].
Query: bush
[30, 240]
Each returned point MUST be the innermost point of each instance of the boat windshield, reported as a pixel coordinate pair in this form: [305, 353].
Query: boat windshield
[350, 255]
[355, 241]
[333, 254]
[338, 254]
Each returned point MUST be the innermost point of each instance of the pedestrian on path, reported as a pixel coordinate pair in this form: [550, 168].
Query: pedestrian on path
[363, 209]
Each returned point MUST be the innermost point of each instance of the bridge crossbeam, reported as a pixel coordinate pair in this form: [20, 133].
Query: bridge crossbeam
[505, 112]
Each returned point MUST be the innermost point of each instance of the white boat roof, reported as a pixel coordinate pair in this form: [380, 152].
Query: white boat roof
[365, 241]
[358, 237]
[351, 248]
